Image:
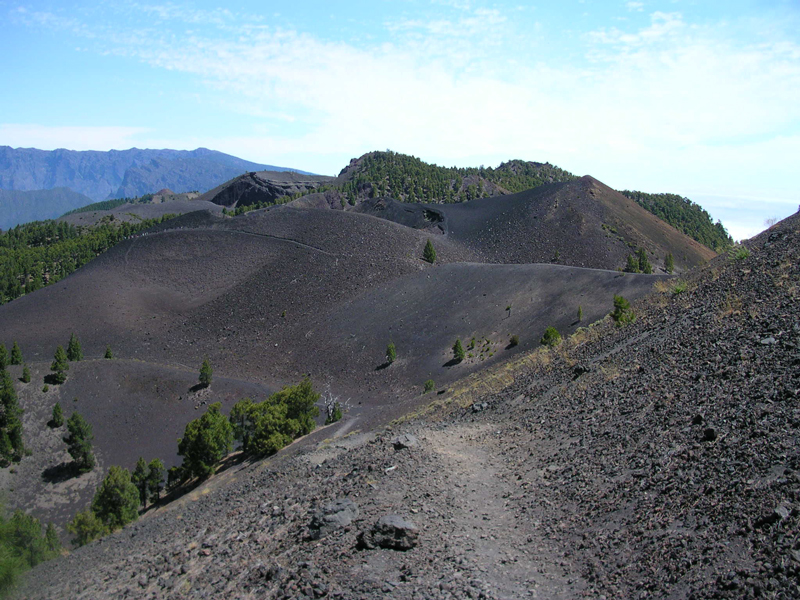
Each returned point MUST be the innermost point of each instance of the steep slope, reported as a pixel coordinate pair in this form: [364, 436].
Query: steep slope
[21, 207]
[99, 175]
[581, 223]
[685, 216]
[277, 294]
[657, 460]
[264, 187]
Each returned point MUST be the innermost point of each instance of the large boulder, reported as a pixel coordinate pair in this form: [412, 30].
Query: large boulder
[391, 531]
[339, 513]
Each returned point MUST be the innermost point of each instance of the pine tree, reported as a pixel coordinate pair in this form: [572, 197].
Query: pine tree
[458, 351]
[429, 254]
[109, 355]
[205, 373]
[155, 479]
[139, 479]
[580, 314]
[11, 447]
[3, 356]
[633, 264]
[205, 441]
[60, 366]
[391, 353]
[86, 526]
[116, 501]
[16, 354]
[79, 442]
[58, 416]
[26, 374]
[51, 540]
[644, 263]
[669, 263]
[74, 352]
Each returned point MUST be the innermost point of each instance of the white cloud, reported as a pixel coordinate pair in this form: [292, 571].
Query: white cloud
[671, 106]
[635, 6]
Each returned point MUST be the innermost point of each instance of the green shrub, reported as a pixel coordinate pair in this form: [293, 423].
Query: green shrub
[116, 501]
[60, 366]
[429, 386]
[205, 374]
[738, 252]
[74, 352]
[514, 341]
[669, 263]
[632, 266]
[79, 442]
[622, 313]
[266, 427]
[86, 526]
[644, 263]
[458, 351]
[679, 287]
[391, 353]
[551, 337]
[206, 440]
[429, 254]
[58, 416]
[26, 374]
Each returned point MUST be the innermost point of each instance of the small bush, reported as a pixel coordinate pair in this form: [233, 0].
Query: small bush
[679, 287]
[738, 252]
[429, 254]
[46, 388]
[514, 341]
[551, 337]
[622, 313]
[429, 386]
[391, 353]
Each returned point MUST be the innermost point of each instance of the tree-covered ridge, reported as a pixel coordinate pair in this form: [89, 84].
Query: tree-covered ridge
[44, 252]
[103, 205]
[519, 175]
[685, 216]
[409, 179]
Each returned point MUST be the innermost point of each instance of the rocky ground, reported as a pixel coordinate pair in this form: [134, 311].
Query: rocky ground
[658, 460]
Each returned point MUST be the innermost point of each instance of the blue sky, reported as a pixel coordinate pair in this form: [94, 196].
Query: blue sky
[696, 98]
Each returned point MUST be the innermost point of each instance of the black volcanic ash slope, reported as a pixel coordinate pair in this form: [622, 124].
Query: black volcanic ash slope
[275, 295]
[582, 223]
[658, 460]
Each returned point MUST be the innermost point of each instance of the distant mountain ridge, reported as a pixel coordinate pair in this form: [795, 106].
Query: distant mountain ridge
[24, 206]
[119, 173]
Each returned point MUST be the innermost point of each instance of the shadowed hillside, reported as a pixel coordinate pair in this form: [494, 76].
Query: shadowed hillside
[581, 223]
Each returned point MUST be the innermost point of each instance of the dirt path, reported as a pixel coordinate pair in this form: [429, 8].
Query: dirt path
[512, 555]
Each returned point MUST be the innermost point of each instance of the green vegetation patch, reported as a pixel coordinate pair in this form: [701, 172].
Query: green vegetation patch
[685, 216]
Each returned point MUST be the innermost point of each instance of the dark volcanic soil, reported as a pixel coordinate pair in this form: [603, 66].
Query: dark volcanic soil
[583, 223]
[134, 213]
[656, 460]
[135, 409]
